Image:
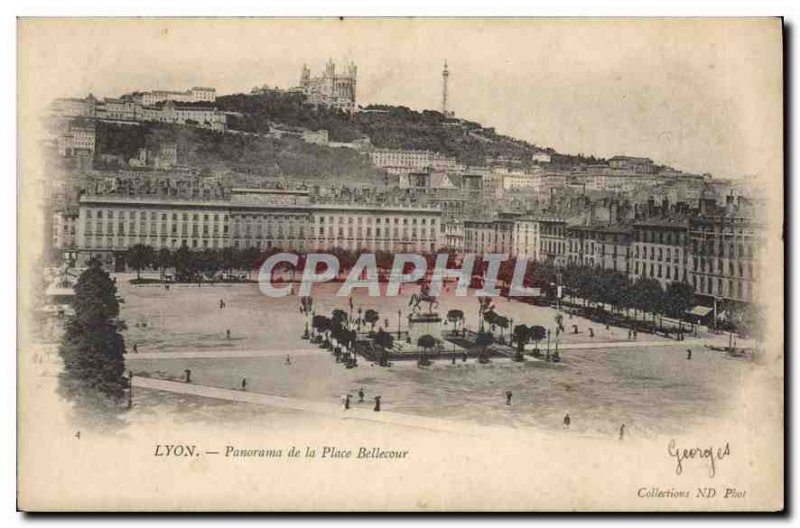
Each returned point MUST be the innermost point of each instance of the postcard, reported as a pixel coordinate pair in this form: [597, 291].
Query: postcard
[400, 264]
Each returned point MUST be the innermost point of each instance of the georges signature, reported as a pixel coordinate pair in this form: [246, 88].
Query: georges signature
[713, 454]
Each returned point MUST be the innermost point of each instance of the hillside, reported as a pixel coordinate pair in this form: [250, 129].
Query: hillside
[246, 149]
[243, 153]
[394, 127]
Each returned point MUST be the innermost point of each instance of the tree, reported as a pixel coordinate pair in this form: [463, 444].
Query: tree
[482, 341]
[503, 323]
[649, 295]
[92, 347]
[338, 316]
[383, 339]
[371, 317]
[521, 335]
[679, 297]
[163, 260]
[229, 259]
[185, 264]
[319, 324]
[249, 259]
[139, 256]
[456, 317]
[425, 342]
[536, 334]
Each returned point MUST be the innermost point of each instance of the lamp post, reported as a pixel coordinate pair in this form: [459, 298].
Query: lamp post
[399, 315]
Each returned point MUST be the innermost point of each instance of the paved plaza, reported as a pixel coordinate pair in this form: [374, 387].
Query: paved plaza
[602, 381]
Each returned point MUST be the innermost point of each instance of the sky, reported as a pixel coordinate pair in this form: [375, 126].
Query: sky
[699, 95]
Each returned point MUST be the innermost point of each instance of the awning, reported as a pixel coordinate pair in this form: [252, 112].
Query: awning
[700, 311]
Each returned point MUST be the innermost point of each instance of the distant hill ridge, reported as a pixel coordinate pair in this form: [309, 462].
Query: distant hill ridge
[395, 127]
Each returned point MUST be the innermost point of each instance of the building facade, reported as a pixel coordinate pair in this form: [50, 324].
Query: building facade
[129, 110]
[331, 90]
[600, 245]
[197, 94]
[404, 162]
[725, 248]
[552, 240]
[109, 225]
[660, 250]
[79, 138]
[517, 237]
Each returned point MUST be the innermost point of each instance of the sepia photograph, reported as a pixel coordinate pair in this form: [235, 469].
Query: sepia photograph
[400, 264]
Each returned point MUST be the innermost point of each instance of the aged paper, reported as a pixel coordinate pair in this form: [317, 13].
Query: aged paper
[400, 265]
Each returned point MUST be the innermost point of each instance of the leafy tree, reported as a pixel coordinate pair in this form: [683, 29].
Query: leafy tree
[371, 317]
[482, 341]
[92, 348]
[649, 295]
[139, 256]
[456, 317]
[502, 322]
[679, 297]
[249, 259]
[338, 316]
[164, 260]
[185, 264]
[383, 339]
[521, 335]
[425, 342]
[537, 333]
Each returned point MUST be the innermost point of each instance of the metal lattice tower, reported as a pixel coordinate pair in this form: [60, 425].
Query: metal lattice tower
[445, 76]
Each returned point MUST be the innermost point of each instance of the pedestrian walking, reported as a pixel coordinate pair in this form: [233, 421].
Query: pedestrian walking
[361, 395]
[244, 383]
[188, 374]
[621, 431]
[567, 421]
[629, 334]
[347, 402]
[228, 333]
[288, 359]
[688, 353]
[377, 407]
[591, 332]
[508, 397]
[135, 348]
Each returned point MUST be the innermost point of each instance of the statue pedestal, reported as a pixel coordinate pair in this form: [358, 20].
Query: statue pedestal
[424, 323]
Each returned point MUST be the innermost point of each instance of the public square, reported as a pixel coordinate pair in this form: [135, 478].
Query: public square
[601, 381]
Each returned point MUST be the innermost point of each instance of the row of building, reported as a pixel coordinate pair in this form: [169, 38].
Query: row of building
[133, 109]
[106, 226]
[715, 248]
[622, 174]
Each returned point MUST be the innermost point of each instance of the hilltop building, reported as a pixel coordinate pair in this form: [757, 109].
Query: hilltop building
[131, 109]
[330, 90]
